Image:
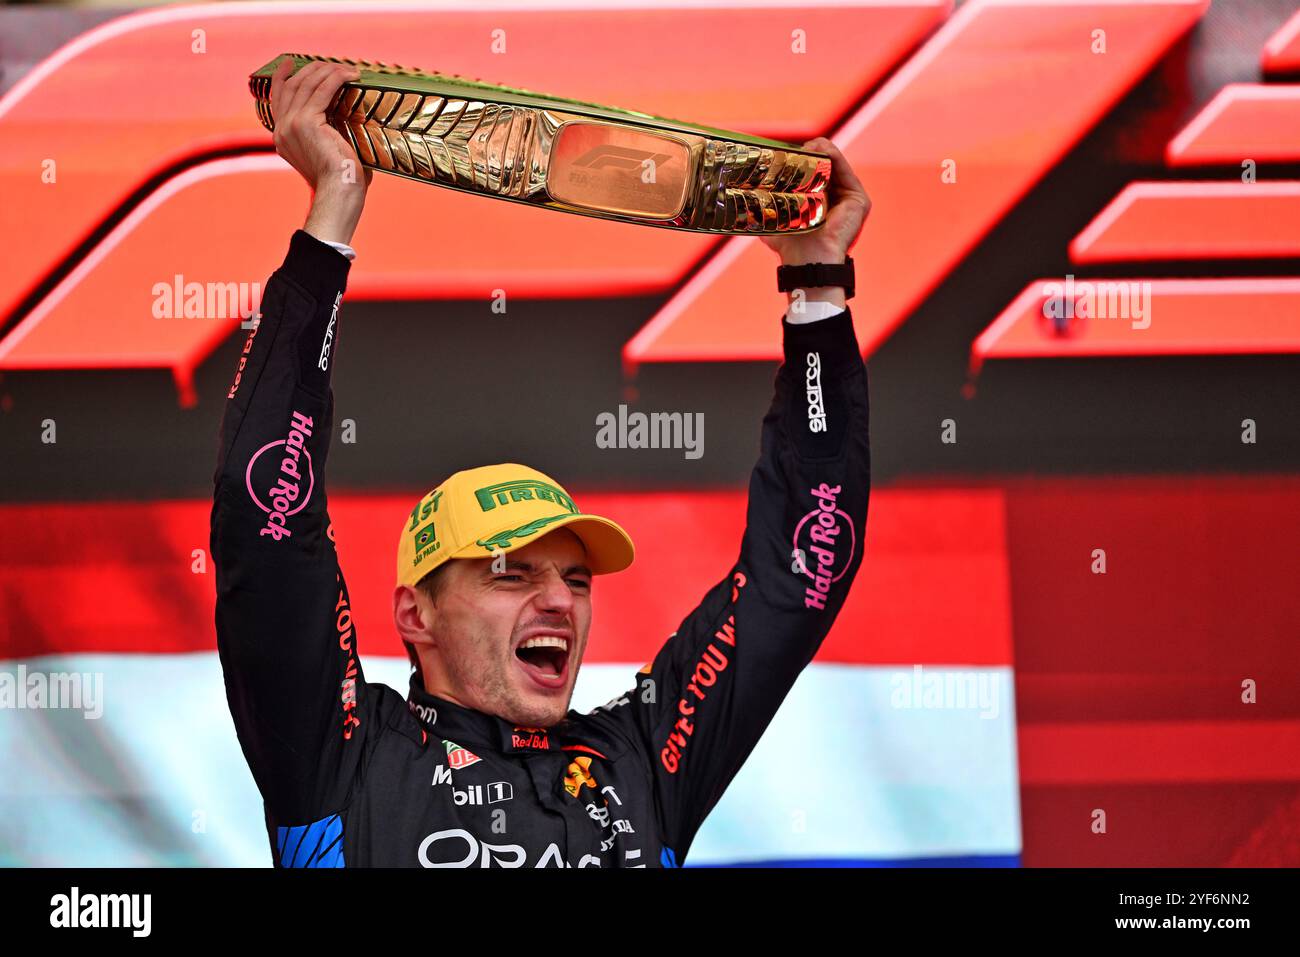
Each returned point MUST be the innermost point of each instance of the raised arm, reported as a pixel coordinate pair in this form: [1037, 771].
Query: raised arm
[701, 706]
[283, 615]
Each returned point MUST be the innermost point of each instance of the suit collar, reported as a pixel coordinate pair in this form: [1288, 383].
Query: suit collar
[451, 722]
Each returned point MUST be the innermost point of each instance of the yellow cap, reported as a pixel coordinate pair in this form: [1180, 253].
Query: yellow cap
[482, 512]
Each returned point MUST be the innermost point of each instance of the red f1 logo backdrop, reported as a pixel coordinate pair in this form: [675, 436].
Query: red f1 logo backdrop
[140, 178]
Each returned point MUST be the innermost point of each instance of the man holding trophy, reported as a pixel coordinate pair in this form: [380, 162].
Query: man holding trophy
[482, 763]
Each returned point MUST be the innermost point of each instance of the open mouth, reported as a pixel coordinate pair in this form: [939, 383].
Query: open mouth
[545, 659]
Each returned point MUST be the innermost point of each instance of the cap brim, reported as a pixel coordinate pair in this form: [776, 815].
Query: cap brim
[609, 547]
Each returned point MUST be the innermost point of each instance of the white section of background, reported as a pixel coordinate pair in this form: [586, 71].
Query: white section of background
[841, 773]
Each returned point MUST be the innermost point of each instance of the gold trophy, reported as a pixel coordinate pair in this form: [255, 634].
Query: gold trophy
[568, 154]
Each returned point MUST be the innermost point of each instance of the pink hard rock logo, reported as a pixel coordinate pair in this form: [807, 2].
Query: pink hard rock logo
[825, 554]
[286, 497]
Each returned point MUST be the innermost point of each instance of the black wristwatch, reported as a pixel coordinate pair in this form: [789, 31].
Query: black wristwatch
[810, 275]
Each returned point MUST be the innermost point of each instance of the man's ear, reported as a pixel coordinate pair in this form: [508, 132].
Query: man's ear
[413, 614]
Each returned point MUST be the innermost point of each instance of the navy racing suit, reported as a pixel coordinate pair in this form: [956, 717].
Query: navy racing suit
[353, 774]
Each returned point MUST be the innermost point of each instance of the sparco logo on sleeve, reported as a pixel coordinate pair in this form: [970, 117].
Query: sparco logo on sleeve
[286, 496]
[820, 536]
[816, 407]
[324, 362]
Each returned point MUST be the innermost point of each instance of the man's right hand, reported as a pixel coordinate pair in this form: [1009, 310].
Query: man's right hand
[317, 150]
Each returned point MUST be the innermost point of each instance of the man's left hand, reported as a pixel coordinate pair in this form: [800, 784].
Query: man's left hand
[849, 207]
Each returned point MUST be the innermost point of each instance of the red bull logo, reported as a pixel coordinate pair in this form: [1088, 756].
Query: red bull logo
[534, 739]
